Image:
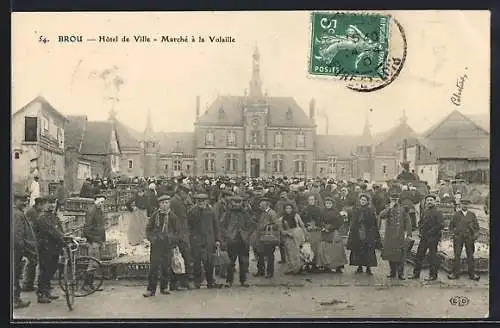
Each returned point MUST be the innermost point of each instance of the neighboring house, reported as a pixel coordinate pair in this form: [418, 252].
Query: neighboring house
[421, 159]
[38, 144]
[460, 143]
[99, 149]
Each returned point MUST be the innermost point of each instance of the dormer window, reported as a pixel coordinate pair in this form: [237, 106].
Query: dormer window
[222, 114]
[289, 114]
[209, 138]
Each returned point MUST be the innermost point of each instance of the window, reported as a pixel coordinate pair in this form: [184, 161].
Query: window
[209, 162]
[278, 161]
[231, 138]
[301, 140]
[231, 162]
[16, 155]
[255, 137]
[130, 164]
[177, 165]
[188, 168]
[278, 139]
[209, 138]
[422, 171]
[30, 129]
[300, 164]
[321, 170]
[166, 167]
[60, 138]
[384, 168]
[45, 126]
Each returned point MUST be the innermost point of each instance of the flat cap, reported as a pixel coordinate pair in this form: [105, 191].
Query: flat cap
[200, 196]
[264, 199]
[163, 197]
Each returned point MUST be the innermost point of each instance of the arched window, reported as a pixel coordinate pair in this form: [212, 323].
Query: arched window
[231, 162]
[278, 161]
[300, 164]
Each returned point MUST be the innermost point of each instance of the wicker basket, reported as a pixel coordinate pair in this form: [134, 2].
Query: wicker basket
[78, 204]
[83, 249]
[109, 250]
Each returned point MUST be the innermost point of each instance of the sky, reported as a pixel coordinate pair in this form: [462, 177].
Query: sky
[166, 78]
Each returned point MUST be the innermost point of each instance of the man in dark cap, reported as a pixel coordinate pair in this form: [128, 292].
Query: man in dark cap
[397, 231]
[180, 205]
[49, 234]
[405, 175]
[465, 231]
[205, 236]
[24, 245]
[32, 215]
[95, 232]
[162, 231]
[237, 226]
[265, 249]
[86, 190]
[430, 227]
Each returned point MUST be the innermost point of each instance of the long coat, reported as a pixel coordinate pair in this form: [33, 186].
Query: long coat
[48, 233]
[237, 221]
[363, 222]
[94, 229]
[24, 236]
[204, 229]
[397, 223]
[180, 209]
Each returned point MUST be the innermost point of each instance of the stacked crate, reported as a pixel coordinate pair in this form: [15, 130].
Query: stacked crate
[109, 250]
[110, 204]
[123, 197]
[73, 219]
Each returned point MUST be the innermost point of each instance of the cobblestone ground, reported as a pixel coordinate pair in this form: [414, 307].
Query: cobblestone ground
[314, 295]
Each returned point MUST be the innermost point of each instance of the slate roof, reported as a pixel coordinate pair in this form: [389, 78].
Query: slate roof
[341, 146]
[455, 146]
[482, 120]
[97, 138]
[179, 142]
[126, 139]
[394, 138]
[228, 110]
[45, 106]
[74, 131]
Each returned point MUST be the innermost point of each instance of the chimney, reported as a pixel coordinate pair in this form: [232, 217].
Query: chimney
[197, 107]
[312, 105]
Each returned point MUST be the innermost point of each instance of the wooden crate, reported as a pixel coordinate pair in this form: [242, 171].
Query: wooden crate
[132, 270]
[67, 224]
[108, 270]
[109, 208]
[78, 204]
[77, 231]
[109, 250]
[83, 249]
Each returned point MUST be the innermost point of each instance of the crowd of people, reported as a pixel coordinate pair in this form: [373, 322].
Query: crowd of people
[312, 222]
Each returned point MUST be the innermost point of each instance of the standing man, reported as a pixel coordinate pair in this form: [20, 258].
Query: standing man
[204, 238]
[32, 215]
[397, 232]
[61, 195]
[265, 249]
[430, 227]
[237, 226]
[34, 190]
[95, 232]
[179, 205]
[24, 245]
[280, 209]
[161, 231]
[465, 231]
[49, 235]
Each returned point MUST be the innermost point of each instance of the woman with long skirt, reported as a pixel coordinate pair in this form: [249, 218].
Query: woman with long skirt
[293, 234]
[364, 236]
[136, 224]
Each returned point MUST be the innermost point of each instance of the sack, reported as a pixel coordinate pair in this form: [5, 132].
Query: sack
[306, 253]
[178, 265]
[220, 257]
[270, 236]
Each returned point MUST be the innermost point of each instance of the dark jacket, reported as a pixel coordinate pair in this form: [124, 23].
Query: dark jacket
[178, 206]
[380, 199]
[86, 191]
[310, 214]
[152, 202]
[465, 226]
[49, 233]
[267, 218]
[397, 224]
[159, 236]
[363, 216]
[431, 224]
[237, 221]
[94, 228]
[24, 236]
[203, 228]
[141, 202]
[32, 214]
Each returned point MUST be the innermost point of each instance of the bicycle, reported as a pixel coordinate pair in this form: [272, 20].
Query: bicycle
[76, 277]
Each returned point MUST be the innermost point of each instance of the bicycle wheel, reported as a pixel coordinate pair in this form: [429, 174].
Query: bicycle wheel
[89, 276]
[69, 284]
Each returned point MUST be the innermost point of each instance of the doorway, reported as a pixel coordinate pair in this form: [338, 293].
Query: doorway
[254, 167]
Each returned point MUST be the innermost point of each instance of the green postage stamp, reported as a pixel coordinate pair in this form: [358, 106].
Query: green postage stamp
[349, 44]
